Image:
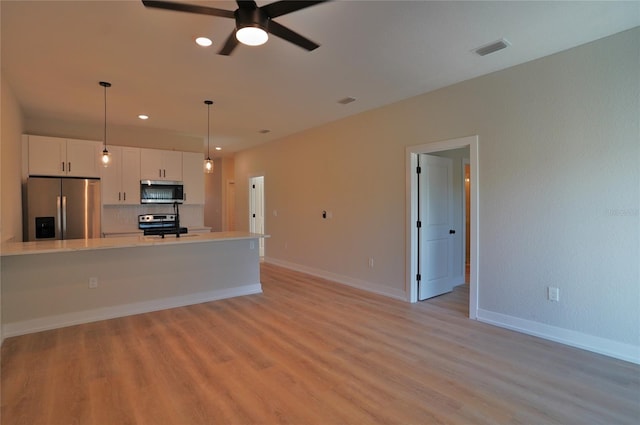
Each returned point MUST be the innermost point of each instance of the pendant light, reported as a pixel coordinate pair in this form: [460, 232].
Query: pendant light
[208, 163]
[106, 156]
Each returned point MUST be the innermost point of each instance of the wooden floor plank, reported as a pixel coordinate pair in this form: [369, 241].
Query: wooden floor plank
[309, 351]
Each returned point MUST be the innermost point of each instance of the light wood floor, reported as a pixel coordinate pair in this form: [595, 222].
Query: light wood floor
[308, 351]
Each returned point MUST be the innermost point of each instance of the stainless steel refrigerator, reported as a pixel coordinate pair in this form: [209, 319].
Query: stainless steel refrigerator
[62, 208]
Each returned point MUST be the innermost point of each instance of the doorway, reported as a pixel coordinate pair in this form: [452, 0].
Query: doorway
[439, 247]
[256, 208]
[466, 202]
[412, 157]
[230, 210]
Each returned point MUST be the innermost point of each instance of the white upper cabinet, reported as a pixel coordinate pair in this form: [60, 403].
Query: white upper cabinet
[156, 164]
[121, 179]
[193, 178]
[47, 156]
[53, 156]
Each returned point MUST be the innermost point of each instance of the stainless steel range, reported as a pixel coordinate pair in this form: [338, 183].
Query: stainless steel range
[161, 224]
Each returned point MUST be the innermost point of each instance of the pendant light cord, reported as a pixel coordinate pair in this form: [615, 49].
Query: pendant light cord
[105, 117]
[208, 103]
[105, 85]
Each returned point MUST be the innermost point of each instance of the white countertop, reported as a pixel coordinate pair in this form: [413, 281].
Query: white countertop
[48, 247]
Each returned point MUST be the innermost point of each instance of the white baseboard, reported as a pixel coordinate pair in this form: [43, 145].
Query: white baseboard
[345, 280]
[104, 313]
[618, 350]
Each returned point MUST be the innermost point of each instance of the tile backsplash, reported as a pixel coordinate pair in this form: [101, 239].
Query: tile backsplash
[118, 219]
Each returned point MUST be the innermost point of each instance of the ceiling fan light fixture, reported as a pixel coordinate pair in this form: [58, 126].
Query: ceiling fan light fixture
[251, 26]
[253, 23]
[252, 36]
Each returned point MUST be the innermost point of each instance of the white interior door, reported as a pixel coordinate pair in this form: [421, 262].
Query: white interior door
[256, 206]
[436, 248]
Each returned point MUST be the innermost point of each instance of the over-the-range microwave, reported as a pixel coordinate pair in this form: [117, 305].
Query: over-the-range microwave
[161, 192]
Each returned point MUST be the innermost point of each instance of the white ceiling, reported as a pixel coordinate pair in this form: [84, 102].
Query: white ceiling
[54, 53]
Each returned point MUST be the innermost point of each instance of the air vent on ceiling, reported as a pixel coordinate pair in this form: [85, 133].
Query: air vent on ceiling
[493, 47]
[347, 100]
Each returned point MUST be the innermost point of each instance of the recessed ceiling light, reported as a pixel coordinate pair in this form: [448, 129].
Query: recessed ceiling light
[143, 117]
[218, 148]
[203, 41]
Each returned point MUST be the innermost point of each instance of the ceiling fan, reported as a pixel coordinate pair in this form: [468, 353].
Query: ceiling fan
[253, 23]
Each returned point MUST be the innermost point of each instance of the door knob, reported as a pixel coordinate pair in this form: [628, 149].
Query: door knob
[452, 232]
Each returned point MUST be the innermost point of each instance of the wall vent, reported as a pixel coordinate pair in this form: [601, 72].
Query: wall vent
[493, 47]
[347, 100]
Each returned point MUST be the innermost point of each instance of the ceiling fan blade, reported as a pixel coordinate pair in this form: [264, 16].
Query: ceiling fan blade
[291, 36]
[190, 8]
[279, 8]
[247, 4]
[229, 45]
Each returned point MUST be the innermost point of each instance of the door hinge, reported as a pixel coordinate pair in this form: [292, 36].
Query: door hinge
[418, 277]
[418, 224]
[418, 170]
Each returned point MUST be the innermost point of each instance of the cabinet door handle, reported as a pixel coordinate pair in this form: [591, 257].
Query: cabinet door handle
[159, 172]
[119, 194]
[62, 165]
[164, 172]
[69, 168]
[124, 196]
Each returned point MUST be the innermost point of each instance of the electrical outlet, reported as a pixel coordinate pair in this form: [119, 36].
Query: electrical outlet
[553, 293]
[370, 262]
[93, 282]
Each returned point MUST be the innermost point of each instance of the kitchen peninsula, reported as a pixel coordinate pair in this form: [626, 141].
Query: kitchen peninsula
[52, 284]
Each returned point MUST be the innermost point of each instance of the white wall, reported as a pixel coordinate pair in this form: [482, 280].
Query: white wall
[139, 137]
[558, 182]
[10, 174]
[11, 123]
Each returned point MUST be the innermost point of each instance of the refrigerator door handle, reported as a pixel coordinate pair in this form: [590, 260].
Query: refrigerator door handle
[64, 217]
[58, 217]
